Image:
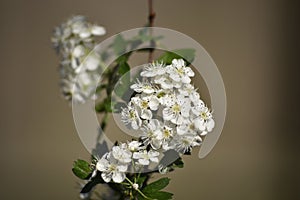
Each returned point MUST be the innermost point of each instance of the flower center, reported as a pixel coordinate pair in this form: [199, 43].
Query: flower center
[176, 108]
[180, 71]
[144, 104]
[167, 133]
[112, 168]
[131, 114]
[204, 115]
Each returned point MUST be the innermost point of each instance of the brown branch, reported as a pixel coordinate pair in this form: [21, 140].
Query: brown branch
[151, 18]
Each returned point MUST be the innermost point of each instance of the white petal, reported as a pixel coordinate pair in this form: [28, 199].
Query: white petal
[106, 176]
[189, 71]
[102, 165]
[186, 79]
[199, 124]
[78, 51]
[182, 129]
[92, 63]
[210, 125]
[122, 168]
[153, 153]
[203, 133]
[153, 103]
[168, 114]
[136, 155]
[144, 162]
[85, 33]
[118, 177]
[146, 114]
[154, 159]
[98, 30]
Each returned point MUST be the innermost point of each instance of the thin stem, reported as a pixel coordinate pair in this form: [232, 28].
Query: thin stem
[139, 191]
[104, 121]
[151, 18]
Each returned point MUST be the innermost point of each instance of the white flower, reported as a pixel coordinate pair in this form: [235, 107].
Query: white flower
[190, 91]
[143, 87]
[73, 41]
[166, 82]
[144, 157]
[150, 134]
[172, 115]
[185, 143]
[205, 123]
[177, 110]
[179, 72]
[111, 169]
[134, 145]
[165, 136]
[145, 104]
[121, 154]
[98, 30]
[153, 69]
[131, 116]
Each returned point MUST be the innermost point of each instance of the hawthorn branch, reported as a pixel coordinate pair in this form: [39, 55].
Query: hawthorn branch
[151, 18]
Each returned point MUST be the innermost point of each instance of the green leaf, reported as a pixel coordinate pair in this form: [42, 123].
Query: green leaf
[81, 169]
[124, 67]
[156, 186]
[187, 54]
[178, 163]
[119, 45]
[104, 106]
[160, 195]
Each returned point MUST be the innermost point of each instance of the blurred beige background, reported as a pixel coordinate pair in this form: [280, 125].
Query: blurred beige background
[256, 156]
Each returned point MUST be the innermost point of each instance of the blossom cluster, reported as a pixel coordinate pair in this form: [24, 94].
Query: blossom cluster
[167, 109]
[73, 41]
[114, 164]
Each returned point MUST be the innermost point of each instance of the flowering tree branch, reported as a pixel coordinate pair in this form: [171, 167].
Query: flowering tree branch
[165, 108]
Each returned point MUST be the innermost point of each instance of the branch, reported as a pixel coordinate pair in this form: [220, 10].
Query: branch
[151, 18]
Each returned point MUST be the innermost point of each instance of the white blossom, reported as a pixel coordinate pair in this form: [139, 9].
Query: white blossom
[167, 109]
[122, 154]
[144, 157]
[111, 169]
[73, 41]
[130, 116]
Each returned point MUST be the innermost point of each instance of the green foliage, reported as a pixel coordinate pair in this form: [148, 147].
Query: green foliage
[119, 45]
[124, 68]
[187, 54]
[177, 164]
[156, 185]
[104, 106]
[82, 169]
[152, 190]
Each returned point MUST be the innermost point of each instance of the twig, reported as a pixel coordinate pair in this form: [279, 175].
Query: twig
[151, 17]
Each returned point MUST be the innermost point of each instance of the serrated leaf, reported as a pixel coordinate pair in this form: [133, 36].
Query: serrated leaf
[119, 45]
[156, 186]
[187, 54]
[81, 169]
[160, 195]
